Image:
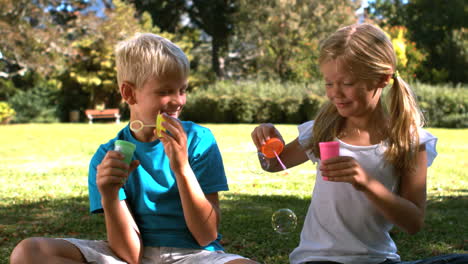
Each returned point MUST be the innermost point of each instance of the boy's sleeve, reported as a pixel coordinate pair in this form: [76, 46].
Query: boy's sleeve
[207, 163]
[95, 205]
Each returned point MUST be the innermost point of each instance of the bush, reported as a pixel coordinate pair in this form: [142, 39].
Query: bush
[294, 103]
[38, 104]
[6, 112]
[252, 102]
[443, 106]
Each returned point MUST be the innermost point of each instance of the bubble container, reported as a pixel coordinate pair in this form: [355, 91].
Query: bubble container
[272, 148]
[126, 148]
[329, 149]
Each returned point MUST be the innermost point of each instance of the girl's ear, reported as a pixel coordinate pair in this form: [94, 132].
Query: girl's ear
[127, 90]
[384, 80]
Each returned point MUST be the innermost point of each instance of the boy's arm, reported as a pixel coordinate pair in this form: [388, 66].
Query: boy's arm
[122, 232]
[201, 212]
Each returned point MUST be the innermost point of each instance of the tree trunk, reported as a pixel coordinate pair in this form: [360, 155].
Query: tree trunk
[215, 48]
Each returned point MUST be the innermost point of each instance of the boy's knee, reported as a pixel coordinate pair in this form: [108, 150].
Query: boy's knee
[24, 250]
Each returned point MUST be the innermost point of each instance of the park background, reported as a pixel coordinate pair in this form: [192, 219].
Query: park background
[251, 62]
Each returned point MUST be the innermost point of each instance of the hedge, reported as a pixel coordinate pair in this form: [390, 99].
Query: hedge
[252, 102]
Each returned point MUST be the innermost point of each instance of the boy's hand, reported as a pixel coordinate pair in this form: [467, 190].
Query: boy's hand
[112, 173]
[175, 143]
[345, 169]
[264, 132]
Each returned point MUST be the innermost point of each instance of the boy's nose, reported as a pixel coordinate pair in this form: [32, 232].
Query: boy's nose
[178, 99]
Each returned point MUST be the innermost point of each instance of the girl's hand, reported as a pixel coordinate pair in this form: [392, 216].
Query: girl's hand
[175, 143]
[345, 169]
[263, 132]
[112, 173]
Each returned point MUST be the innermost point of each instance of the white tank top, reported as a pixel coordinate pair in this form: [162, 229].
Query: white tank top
[341, 224]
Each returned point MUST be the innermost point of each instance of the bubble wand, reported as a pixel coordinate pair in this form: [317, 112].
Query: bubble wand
[137, 125]
[271, 149]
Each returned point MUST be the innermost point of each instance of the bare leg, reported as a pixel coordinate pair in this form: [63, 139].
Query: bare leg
[42, 250]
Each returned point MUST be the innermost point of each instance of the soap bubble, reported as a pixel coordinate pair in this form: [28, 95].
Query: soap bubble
[262, 161]
[284, 221]
[256, 162]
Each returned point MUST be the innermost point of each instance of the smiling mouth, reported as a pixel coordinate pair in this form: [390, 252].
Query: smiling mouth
[341, 105]
[171, 113]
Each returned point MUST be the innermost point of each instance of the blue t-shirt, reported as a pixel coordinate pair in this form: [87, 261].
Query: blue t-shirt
[151, 189]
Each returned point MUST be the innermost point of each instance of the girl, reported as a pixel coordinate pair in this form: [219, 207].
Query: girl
[379, 179]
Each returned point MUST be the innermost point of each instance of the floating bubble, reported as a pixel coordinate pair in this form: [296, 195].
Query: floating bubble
[254, 162]
[284, 221]
[262, 161]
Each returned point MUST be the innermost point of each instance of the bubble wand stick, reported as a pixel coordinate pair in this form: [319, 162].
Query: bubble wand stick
[271, 149]
[137, 125]
[286, 171]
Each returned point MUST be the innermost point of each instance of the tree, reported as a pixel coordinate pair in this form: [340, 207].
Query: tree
[93, 65]
[286, 33]
[215, 17]
[30, 40]
[409, 58]
[166, 14]
[438, 27]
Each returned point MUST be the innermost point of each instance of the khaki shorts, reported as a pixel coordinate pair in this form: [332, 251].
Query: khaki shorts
[99, 252]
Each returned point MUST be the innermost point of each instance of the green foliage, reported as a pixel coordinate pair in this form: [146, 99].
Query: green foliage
[31, 41]
[443, 106]
[294, 103]
[253, 102]
[93, 67]
[38, 104]
[409, 58]
[166, 14]
[437, 28]
[286, 34]
[6, 112]
[215, 17]
[7, 87]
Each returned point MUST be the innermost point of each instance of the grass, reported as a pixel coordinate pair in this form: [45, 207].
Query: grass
[43, 191]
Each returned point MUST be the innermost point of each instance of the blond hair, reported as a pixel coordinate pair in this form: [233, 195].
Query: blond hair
[368, 54]
[146, 56]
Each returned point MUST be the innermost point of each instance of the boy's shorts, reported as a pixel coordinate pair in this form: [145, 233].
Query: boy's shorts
[99, 252]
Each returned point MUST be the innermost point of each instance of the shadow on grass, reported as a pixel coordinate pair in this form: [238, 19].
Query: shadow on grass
[246, 225]
[247, 230]
[48, 217]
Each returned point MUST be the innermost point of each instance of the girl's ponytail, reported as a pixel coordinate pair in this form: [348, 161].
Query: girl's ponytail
[405, 119]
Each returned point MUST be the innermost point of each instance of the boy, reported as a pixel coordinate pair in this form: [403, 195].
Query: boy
[164, 206]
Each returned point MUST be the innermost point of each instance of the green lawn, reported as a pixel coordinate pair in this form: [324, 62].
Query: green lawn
[43, 191]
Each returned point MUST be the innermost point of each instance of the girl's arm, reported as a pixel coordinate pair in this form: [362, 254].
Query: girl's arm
[405, 209]
[292, 155]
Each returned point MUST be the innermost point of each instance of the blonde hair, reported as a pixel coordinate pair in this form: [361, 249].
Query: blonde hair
[368, 54]
[146, 56]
